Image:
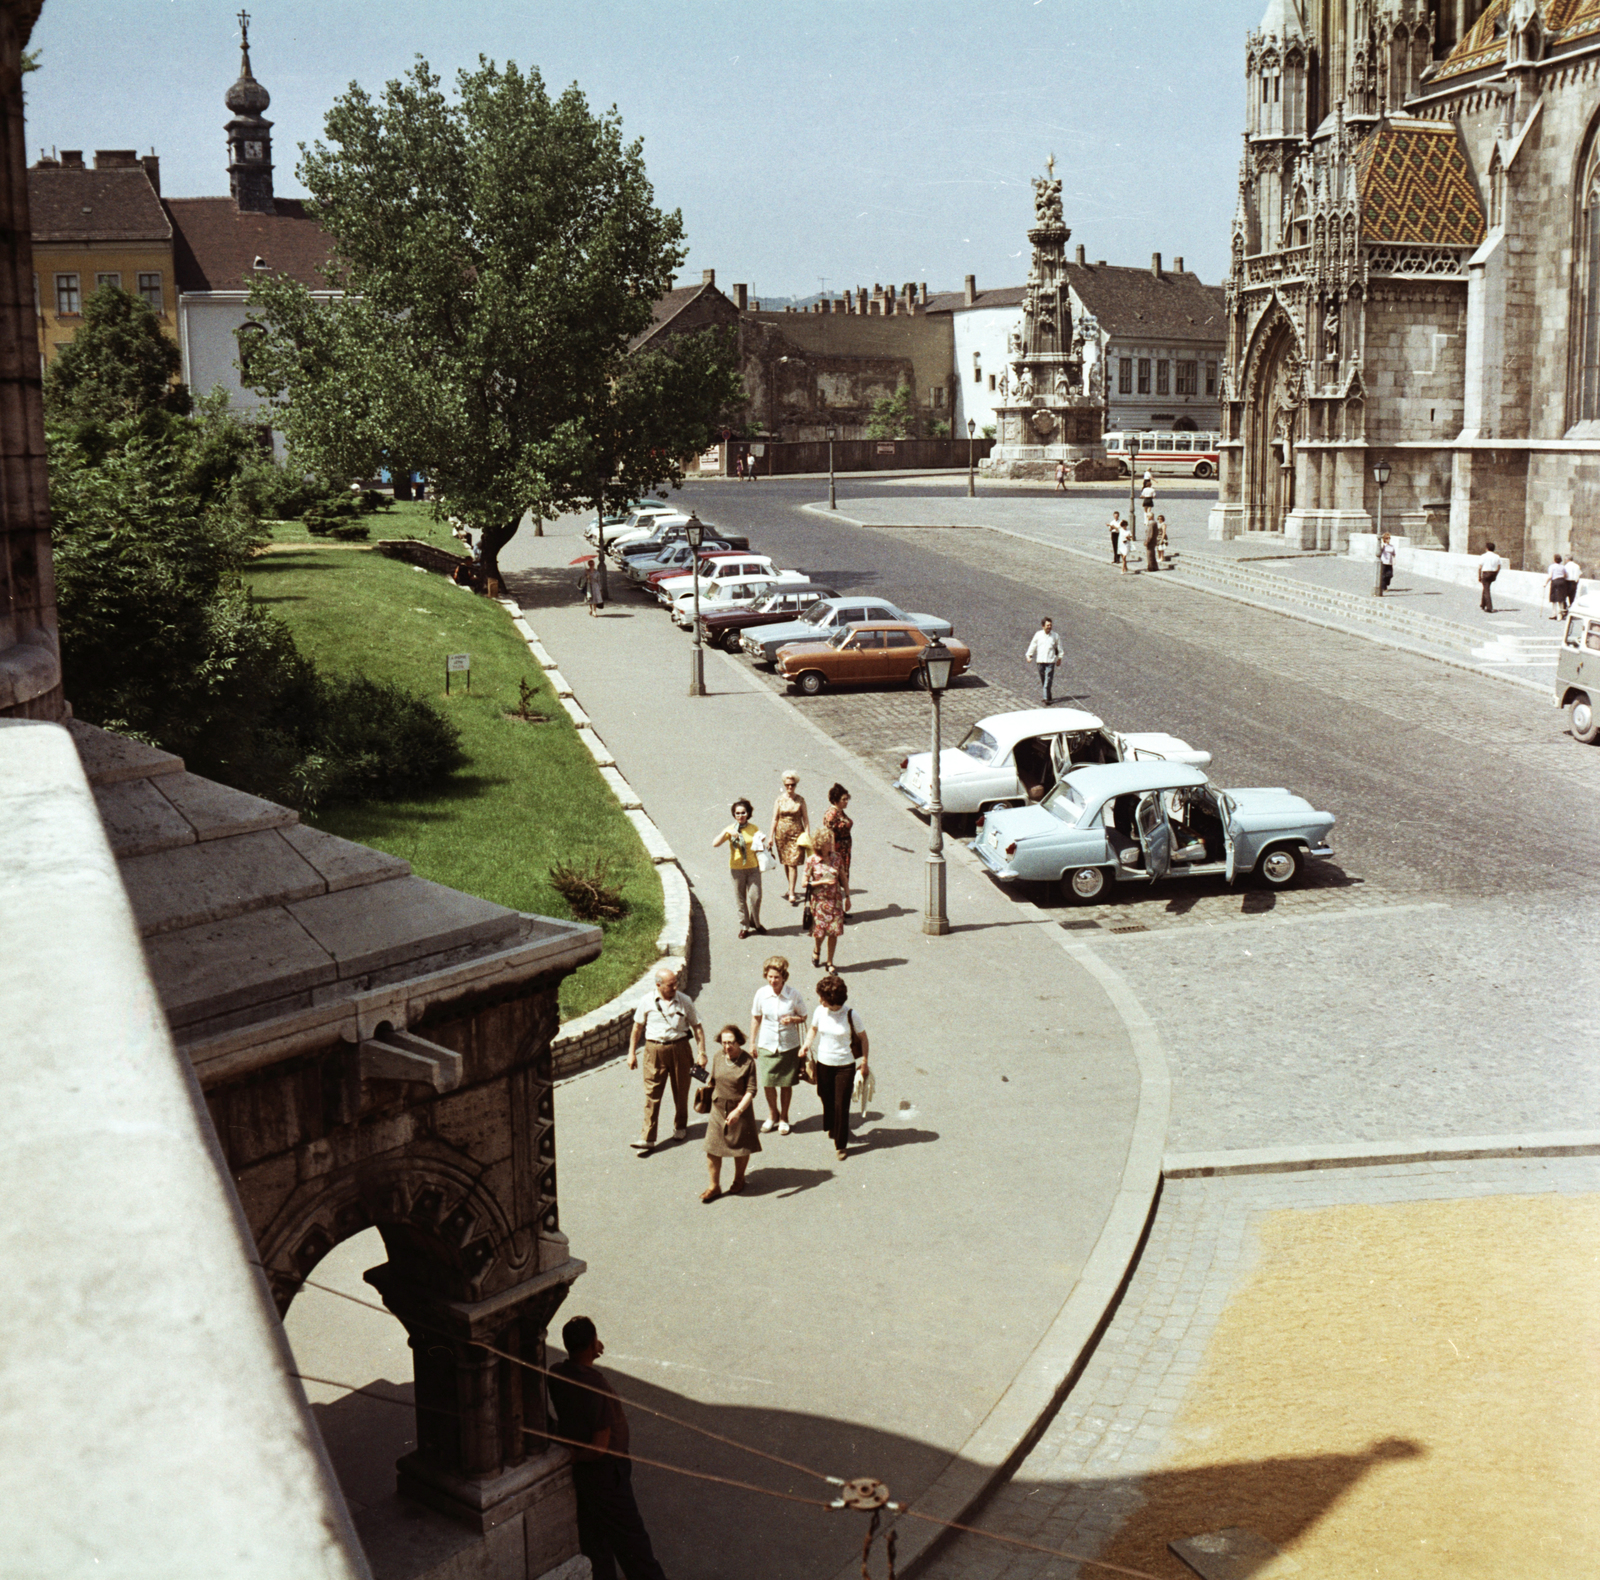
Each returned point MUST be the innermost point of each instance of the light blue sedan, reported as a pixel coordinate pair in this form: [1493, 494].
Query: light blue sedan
[1144, 822]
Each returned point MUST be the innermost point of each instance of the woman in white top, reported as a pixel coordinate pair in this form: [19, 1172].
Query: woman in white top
[1555, 586]
[831, 1058]
[776, 1016]
[1124, 543]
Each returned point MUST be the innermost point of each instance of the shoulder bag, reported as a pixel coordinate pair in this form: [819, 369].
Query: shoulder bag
[807, 920]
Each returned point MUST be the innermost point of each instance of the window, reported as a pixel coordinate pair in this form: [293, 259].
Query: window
[1125, 376]
[249, 337]
[150, 290]
[1163, 377]
[977, 369]
[1180, 444]
[1211, 378]
[899, 639]
[114, 280]
[1144, 375]
[1163, 441]
[1588, 281]
[38, 312]
[69, 299]
[936, 395]
[1186, 378]
[991, 381]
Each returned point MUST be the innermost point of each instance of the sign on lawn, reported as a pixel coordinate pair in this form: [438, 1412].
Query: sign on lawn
[457, 664]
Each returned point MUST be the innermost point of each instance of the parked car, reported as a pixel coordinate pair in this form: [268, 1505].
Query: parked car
[673, 560]
[737, 592]
[880, 653]
[1578, 665]
[828, 615]
[708, 557]
[723, 627]
[642, 527]
[1009, 759]
[724, 567]
[643, 512]
[1144, 822]
[667, 531]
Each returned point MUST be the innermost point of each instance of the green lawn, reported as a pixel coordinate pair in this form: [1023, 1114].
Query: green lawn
[530, 794]
[406, 520]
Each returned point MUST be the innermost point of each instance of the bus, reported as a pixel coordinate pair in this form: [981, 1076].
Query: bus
[1165, 454]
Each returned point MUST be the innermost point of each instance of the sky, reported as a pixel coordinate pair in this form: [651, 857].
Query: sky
[850, 142]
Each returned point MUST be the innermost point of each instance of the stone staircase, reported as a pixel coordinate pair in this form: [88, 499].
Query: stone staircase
[1512, 646]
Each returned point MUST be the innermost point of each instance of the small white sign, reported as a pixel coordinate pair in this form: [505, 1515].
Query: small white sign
[758, 449]
[455, 663]
[711, 460]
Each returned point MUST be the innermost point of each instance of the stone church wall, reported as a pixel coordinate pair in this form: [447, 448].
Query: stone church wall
[1415, 362]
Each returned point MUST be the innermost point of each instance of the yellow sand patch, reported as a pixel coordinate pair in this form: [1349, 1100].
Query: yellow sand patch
[1406, 1390]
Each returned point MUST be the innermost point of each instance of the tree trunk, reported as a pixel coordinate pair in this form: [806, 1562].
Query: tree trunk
[494, 539]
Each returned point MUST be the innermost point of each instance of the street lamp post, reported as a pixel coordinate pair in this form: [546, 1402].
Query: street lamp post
[695, 532]
[972, 428]
[1132, 442]
[833, 433]
[1380, 476]
[936, 662]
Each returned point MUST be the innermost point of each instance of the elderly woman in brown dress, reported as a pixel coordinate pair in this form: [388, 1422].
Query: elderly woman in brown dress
[731, 1130]
[789, 821]
[838, 822]
[825, 896]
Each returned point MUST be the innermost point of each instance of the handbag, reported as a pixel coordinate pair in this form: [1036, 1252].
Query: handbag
[857, 1052]
[807, 920]
[702, 1091]
[765, 860]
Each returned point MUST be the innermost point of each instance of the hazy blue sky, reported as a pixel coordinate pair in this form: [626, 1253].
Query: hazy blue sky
[852, 142]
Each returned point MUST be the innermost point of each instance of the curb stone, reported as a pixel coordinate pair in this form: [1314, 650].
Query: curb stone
[602, 1034]
[1377, 1154]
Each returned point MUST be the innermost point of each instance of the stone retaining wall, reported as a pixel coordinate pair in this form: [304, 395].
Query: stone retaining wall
[603, 1033]
[413, 551]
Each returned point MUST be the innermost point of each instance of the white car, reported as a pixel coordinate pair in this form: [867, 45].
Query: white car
[1010, 759]
[643, 514]
[639, 526]
[738, 592]
[725, 567]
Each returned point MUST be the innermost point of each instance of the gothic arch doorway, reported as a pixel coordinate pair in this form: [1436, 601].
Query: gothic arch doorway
[1271, 428]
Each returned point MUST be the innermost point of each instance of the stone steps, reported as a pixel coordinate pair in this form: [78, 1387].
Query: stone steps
[1433, 629]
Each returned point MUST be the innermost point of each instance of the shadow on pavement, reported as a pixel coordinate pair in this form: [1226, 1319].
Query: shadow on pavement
[782, 1182]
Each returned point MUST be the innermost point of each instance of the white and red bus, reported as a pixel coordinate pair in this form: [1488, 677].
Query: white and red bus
[1164, 454]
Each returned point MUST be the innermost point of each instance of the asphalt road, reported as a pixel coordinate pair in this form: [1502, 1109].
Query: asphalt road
[1444, 783]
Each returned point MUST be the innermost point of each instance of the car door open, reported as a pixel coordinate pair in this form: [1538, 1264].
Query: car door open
[1155, 834]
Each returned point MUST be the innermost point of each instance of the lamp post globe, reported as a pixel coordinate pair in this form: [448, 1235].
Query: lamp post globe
[1380, 476]
[972, 428]
[695, 533]
[833, 433]
[937, 661]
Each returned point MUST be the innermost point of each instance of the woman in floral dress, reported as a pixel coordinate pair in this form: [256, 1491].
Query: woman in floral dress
[838, 822]
[789, 821]
[825, 896]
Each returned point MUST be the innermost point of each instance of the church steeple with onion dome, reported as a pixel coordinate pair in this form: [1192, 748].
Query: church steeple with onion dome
[249, 135]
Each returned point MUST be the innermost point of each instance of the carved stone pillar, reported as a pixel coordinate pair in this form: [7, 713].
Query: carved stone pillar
[475, 1459]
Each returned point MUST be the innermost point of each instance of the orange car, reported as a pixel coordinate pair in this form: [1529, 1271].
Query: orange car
[883, 651]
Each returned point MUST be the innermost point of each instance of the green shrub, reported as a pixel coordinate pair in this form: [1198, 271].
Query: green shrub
[375, 740]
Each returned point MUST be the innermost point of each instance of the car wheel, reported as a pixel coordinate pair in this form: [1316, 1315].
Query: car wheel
[1280, 866]
[1122, 468]
[1203, 469]
[1085, 885]
[811, 682]
[1580, 717]
[918, 679]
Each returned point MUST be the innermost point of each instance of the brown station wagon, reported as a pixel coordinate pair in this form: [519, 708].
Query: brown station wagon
[880, 653]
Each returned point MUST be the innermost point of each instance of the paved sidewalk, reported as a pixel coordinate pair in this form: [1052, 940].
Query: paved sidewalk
[869, 1317]
[1249, 569]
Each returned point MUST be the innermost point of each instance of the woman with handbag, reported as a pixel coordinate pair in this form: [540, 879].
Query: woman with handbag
[824, 913]
[777, 1015]
[743, 840]
[728, 1098]
[790, 820]
[835, 1049]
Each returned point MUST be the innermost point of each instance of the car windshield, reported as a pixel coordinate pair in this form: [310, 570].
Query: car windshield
[979, 743]
[839, 637]
[1064, 802]
[817, 614]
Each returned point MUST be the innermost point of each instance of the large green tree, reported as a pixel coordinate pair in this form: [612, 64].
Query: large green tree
[119, 364]
[497, 251]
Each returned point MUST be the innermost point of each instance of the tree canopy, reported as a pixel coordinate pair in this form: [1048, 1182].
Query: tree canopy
[498, 250]
[120, 364]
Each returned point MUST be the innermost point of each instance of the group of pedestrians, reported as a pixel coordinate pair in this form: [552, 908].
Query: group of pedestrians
[1561, 584]
[787, 1046]
[1157, 549]
[815, 862]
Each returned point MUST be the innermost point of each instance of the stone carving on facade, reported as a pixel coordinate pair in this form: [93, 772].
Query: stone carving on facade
[1330, 334]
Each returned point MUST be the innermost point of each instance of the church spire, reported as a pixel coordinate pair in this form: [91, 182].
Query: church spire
[249, 135]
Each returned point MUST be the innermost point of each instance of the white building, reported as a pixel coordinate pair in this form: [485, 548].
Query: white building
[980, 321]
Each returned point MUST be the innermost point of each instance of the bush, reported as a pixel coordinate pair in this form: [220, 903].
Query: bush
[590, 890]
[375, 740]
[338, 515]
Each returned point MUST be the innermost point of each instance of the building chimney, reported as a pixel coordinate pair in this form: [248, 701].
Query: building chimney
[1080, 254]
[152, 168]
[741, 297]
[923, 297]
[115, 159]
[1155, 264]
[708, 276]
[1099, 263]
[861, 300]
[971, 290]
[72, 159]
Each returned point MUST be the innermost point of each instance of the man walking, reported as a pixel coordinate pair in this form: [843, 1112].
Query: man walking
[1386, 557]
[611, 1533]
[1115, 527]
[1061, 477]
[1489, 566]
[1045, 651]
[664, 1021]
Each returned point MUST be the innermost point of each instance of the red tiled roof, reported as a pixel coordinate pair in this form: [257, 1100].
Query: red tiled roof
[215, 245]
[117, 204]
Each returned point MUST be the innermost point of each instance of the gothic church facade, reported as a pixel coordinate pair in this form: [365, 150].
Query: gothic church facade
[1415, 277]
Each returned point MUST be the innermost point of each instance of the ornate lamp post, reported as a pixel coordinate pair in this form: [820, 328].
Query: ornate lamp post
[1132, 442]
[936, 661]
[833, 433]
[695, 532]
[972, 428]
[1380, 476]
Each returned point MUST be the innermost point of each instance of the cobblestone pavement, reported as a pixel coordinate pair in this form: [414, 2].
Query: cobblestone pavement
[1125, 1418]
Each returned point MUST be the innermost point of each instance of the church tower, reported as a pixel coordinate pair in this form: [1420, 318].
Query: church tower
[249, 136]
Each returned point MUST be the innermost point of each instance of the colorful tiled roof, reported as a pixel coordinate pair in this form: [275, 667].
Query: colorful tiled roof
[1417, 188]
[1484, 43]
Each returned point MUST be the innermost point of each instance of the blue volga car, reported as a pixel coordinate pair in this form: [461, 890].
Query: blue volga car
[1145, 822]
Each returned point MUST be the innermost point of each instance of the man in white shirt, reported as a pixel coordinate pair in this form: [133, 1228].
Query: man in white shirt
[1489, 566]
[1386, 555]
[665, 1020]
[1574, 576]
[1045, 651]
[1115, 526]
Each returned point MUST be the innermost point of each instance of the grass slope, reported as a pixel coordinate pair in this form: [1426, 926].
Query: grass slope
[530, 794]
